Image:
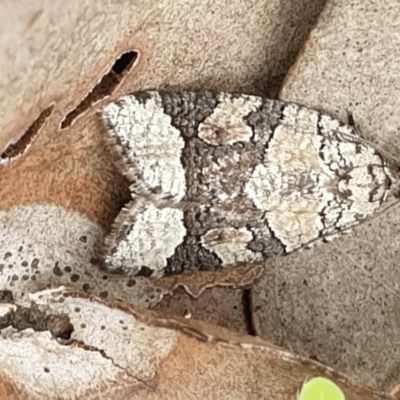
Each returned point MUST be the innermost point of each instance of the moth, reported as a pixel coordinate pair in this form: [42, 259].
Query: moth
[219, 179]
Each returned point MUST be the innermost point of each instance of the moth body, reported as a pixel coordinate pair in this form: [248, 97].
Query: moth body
[222, 179]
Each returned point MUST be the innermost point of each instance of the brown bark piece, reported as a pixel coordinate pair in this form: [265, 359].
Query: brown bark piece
[179, 358]
[339, 302]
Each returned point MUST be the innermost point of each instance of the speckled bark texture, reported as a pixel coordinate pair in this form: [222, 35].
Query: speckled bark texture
[44, 254]
[340, 303]
[60, 192]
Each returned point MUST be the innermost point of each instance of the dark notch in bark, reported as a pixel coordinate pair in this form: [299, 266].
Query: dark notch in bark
[104, 88]
[14, 150]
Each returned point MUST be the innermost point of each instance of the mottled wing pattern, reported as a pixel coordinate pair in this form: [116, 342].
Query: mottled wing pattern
[221, 179]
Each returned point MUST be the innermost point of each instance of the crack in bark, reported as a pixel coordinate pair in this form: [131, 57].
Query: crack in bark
[103, 353]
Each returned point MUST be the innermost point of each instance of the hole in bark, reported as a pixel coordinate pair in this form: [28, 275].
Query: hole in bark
[32, 317]
[16, 149]
[247, 306]
[104, 88]
[6, 296]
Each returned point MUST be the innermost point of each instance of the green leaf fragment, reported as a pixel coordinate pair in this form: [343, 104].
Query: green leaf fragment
[321, 389]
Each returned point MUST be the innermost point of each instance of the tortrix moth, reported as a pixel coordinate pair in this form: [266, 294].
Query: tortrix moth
[221, 179]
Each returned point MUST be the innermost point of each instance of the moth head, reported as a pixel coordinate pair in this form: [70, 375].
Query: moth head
[394, 173]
